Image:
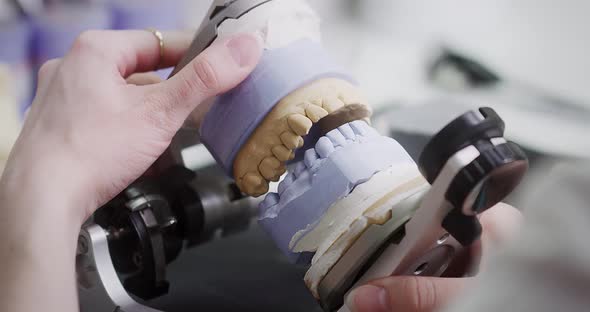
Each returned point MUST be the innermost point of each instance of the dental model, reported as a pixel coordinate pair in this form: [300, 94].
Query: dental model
[349, 181]
[295, 85]
[353, 205]
[300, 113]
[263, 157]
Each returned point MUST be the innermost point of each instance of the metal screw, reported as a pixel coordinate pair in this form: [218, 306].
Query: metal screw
[443, 238]
[421, 268]
[169, 222]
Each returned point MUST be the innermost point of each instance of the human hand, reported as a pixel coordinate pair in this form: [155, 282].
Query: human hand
[424, 294]
[90, 132]
[93, 129]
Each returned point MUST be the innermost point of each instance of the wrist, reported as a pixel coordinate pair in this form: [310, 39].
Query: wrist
[36, 221]
[38, 244]
[43, 192]
[40, 218]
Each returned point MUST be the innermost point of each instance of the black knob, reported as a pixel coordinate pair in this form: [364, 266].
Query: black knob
[488, 179]
[465, 229]
[482, 183]
[465, 130]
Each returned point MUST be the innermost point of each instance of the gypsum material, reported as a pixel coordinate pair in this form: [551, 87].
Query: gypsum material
[371, 203]
[343, 159]
[353, 262]
[367, 200]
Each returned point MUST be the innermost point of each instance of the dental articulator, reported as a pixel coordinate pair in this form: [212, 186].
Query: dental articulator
[350, 204]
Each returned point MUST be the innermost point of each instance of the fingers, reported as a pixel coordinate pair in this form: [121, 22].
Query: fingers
[144, 54]
[46, 72]
[423, 294]
[132, 51]
[45, 75]
[405, 293]
[218, 69]
[144, 79]
[500, 224]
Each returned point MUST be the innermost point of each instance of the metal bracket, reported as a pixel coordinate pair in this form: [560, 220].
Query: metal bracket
[99, 287]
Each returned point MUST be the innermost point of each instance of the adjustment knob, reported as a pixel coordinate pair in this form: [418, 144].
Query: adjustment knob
[483, 182]
[488, 179]
[465, 130]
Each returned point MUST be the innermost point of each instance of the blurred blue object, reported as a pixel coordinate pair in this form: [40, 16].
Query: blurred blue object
[16, 33]
[58, 27]
[8, 11]
[141, 14]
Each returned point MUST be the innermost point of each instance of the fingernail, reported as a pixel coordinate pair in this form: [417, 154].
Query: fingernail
[368, 298]
[244, 49]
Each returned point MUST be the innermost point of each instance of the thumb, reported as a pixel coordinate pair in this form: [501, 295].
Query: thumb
[405, 293]
[219, 68]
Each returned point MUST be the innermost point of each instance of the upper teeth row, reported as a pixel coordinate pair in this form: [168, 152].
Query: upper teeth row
[280, 148]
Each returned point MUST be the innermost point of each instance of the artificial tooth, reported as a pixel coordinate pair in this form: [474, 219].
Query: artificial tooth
[266, 172]
[271, 162]
[299, 124]
[353, 98]
[310, 157]
[317, 101]
[332, 104]
[324, 147]
[299, 168]
[279, 172]
[270, 168]
[291, 140]
[270, 200]
[282, 153]
[287, 181]
[254, 184]
[315, 113]
[359, 127]
[347, 132]
[336, 137]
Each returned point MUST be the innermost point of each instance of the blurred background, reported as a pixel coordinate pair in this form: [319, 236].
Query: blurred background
[421, 63]
[414, 57]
